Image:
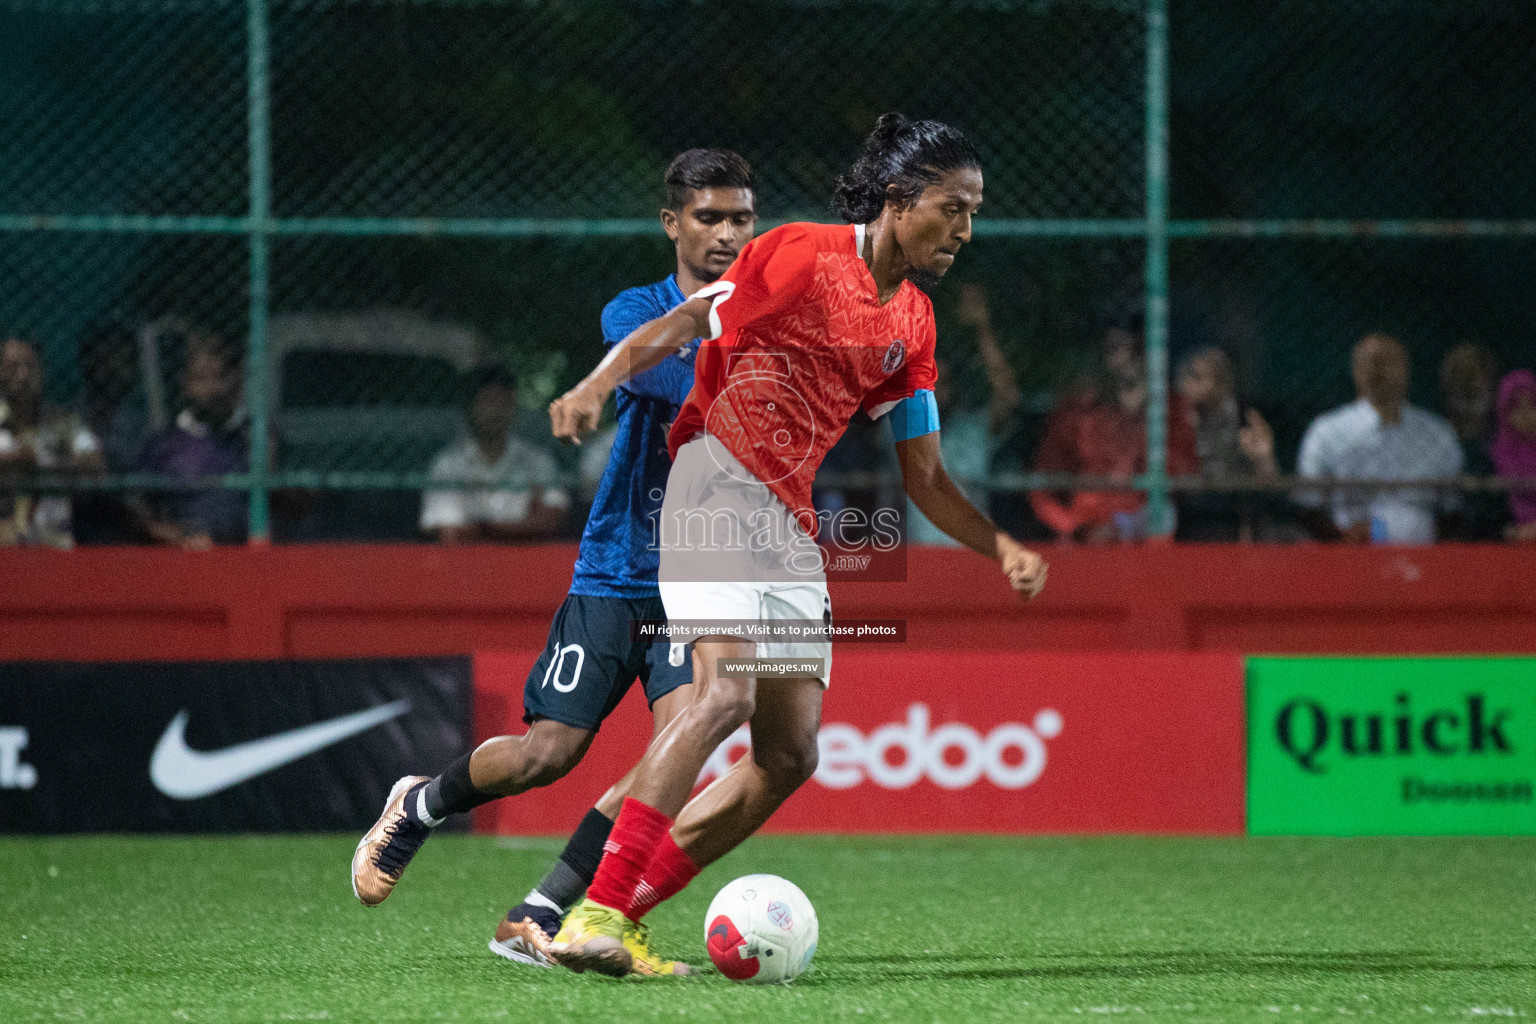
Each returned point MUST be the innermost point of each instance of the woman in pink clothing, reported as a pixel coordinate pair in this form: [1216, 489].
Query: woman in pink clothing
[1514, 448]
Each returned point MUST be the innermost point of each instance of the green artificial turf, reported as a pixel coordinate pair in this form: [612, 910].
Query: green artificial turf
[912, 929]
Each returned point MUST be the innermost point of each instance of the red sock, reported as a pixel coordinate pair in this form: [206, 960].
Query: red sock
[668, 874]
[626, 854]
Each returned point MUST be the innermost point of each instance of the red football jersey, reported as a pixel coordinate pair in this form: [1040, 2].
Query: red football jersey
[799, 342]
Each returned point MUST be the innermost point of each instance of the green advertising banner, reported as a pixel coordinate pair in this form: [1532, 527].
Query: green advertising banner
[1391, 746]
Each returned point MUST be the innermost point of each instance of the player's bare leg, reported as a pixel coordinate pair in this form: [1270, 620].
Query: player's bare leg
[784, 726]
[592, 936]
[524, 934]
[666, 710]
[508, 765]
[783, 756]
[665, 776]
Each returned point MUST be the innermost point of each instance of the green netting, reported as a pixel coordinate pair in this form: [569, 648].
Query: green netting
[122, 108]
[1352, 109]
[437, 184]
[562, 110]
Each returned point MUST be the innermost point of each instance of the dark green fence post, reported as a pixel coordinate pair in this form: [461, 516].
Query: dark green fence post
[257, 376]
[1160, 520]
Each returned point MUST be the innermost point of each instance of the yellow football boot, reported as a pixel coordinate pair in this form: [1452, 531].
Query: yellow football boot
[637, 939]
[592, 939]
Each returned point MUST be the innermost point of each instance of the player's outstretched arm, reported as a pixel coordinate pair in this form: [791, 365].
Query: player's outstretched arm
[576, 413]
[929, 486]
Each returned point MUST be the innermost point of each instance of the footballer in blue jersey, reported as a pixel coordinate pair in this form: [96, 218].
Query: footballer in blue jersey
[590, 659]
[618, 557]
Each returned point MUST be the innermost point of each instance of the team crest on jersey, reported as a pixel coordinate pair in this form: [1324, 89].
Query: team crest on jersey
[894, 356]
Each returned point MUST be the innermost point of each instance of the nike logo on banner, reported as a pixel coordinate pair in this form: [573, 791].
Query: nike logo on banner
[182, 773]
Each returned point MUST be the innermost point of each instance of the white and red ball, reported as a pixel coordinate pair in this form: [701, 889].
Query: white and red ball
[761, 930]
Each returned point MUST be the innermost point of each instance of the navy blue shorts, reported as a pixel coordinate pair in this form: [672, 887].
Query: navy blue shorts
[590, 661]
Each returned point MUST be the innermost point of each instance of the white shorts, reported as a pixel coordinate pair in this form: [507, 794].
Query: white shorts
[730, 550]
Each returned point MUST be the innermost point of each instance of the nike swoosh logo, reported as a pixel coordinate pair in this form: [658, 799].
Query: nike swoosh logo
[182, 773]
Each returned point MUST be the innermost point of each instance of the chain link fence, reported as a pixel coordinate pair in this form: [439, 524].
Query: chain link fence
[363, 202]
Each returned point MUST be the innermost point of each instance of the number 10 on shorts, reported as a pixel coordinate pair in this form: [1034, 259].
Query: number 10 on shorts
[557, 666]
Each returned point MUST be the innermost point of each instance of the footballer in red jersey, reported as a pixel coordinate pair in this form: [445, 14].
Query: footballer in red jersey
[804, 342]
[811, 325]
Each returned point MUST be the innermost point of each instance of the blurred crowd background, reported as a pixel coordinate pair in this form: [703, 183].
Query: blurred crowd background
[381, 233]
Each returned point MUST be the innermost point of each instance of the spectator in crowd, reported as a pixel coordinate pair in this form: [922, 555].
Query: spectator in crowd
[209, 438]
[1514, 449]
[1230, 441]
[109, 359]
[1467, 377]
[969, 434]
[1378, 437]
[1103, 432]
[521, 501]
[116, 414]
[35, 438]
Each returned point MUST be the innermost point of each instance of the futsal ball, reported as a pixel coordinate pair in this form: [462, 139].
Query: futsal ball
[761, 930]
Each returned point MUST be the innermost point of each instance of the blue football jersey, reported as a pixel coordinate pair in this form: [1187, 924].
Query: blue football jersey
[618, 557]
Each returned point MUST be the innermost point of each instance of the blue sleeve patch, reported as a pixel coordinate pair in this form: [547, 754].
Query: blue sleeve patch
[915, 416]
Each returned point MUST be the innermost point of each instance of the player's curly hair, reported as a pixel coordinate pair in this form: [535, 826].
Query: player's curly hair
[908, 154]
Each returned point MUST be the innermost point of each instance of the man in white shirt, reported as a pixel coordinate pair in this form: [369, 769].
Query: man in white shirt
[1378, 437]
[522, 500]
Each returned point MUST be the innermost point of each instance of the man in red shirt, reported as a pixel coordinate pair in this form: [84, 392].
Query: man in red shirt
[812, 324]
[1103, 432]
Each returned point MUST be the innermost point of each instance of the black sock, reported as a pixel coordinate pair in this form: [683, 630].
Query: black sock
[453, 793]
[573, 872]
